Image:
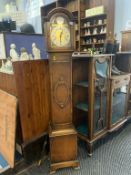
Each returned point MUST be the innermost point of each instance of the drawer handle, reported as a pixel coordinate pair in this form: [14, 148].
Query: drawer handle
[126, 79]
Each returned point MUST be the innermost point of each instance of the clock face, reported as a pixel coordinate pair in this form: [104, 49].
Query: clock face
[60, 32]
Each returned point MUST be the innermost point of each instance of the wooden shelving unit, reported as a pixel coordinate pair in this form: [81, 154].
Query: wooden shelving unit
[93, 32]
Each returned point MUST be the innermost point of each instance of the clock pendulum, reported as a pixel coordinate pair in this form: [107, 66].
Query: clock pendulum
[59, 28]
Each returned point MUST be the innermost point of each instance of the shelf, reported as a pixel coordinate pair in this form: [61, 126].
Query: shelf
[82, 84]
[93, 26]
[92, 44]
[82, 129]
[99, 34]
[75, 11]
[95, 16]
[82, 106]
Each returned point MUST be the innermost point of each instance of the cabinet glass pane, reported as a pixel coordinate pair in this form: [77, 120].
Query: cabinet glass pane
[100, 112]
[118, 104]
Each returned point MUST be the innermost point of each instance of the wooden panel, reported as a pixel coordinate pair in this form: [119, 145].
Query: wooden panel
[66, 153]
[8, 108]
[7, 83]
[126, 41]
[32, 81]
[61, 89]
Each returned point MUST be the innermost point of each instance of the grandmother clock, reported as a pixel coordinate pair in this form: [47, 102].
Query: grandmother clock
[59, 30]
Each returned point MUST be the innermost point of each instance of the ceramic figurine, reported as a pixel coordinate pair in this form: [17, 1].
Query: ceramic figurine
[35, 52]
[85, 25]
[8, 66]
[88, 32]
[95, 31]
[104, 31]
[88, 24]
[24, 55]
[30, 57]
[2, 66]
[13, 53]
[100, 22]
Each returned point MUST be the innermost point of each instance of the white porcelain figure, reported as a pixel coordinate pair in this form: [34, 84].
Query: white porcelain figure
[30, 57]
[13, 53]
[24, 55]
[95, 31]
[8, 66]
[35, 51]
[2, 66]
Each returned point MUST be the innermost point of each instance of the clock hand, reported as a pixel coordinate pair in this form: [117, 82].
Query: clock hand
[61, 35]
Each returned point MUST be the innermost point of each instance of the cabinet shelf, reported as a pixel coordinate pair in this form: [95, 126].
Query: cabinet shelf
[93, 26]
[82, 106]
[82, 129]
[95, 16]
[75, 11]
[92, 44]
[82, 84]
[99, 34]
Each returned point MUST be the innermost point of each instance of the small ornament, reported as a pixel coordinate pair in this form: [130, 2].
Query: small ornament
[24, 55]
[95, 31]
[36, 52]
[13, 54]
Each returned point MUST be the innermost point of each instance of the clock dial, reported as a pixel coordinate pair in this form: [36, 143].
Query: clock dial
[60, 36]
[60, 33]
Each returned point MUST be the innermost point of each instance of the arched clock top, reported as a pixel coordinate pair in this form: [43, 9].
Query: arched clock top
[59, 10]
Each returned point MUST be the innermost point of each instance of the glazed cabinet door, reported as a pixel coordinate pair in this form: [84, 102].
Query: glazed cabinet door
[101, 93]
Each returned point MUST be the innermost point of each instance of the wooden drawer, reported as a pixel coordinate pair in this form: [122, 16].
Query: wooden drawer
[120, 80]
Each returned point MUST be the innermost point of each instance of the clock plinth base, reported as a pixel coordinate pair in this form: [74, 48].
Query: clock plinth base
[54, 167]
[59, 127]
[63, 148]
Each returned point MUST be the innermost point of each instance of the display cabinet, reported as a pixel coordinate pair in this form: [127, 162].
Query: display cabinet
[91, 96]
[119, 86]
[123, 61]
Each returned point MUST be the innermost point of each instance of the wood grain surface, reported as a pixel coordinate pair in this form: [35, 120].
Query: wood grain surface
[32, 82]
[8, 108]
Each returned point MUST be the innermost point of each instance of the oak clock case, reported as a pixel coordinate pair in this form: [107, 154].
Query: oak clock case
[59, 29]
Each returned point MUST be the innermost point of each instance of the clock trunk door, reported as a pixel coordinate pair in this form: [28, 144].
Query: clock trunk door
[60, 69]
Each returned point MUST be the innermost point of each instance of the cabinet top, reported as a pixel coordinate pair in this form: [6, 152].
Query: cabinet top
[126, 31]
[124, 52]
[86, 55]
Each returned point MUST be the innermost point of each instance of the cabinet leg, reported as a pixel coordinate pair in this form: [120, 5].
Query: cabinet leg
[90, 149]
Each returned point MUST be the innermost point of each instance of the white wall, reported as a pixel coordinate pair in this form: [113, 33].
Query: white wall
[122, 15]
